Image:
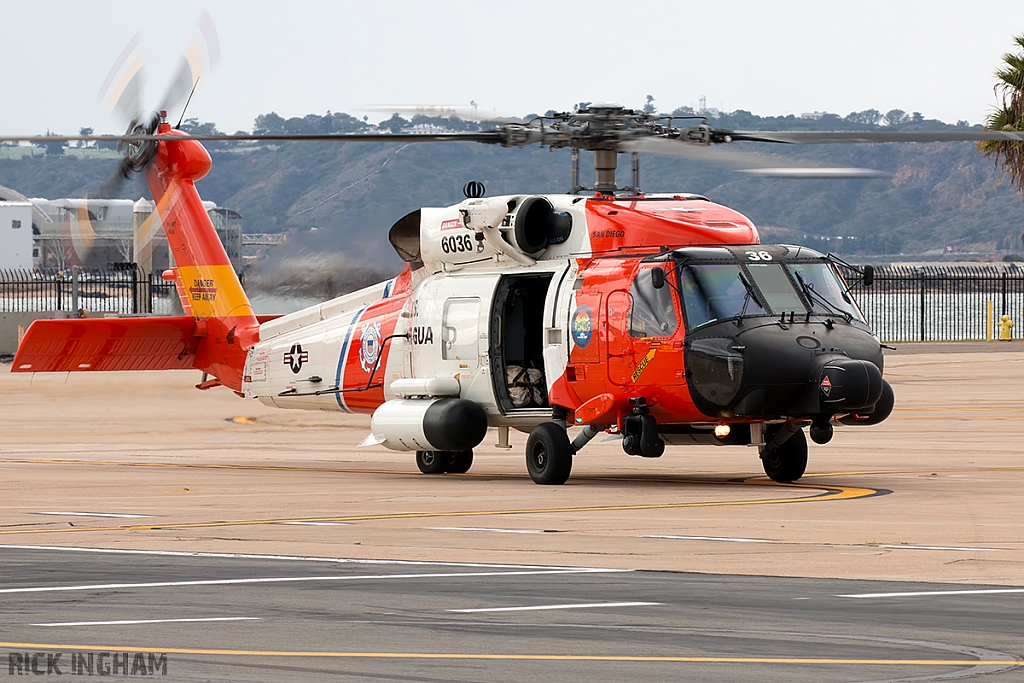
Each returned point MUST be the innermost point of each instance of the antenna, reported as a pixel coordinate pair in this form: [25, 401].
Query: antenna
[185, 108]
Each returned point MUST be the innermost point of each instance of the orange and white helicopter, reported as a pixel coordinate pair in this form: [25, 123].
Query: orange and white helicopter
[658, 318]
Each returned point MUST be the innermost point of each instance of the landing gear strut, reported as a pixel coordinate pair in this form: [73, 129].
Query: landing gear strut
[784, 456]
[640, 431]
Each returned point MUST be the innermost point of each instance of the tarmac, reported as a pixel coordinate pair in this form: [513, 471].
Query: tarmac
[204, 486]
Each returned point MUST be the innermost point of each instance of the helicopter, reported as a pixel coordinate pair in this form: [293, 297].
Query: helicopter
[657, 319]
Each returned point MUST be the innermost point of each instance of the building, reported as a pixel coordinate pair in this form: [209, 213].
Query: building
[95, 232]
[15, 235]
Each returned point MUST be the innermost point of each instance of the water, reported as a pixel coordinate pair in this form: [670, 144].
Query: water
[897, 316]
[894, 316]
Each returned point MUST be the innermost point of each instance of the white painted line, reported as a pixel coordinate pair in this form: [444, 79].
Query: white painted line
[481, 528]
[933, 547]
[93, 514]
[717, 538]
[304, 558]
[285, 579]
[582, 605]
[916, 594]
[143, 621]
[894, 546]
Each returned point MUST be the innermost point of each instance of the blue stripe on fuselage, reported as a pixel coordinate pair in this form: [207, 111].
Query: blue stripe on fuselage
[341, 358]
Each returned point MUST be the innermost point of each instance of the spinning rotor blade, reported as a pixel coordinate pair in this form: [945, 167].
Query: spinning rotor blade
[745, 162]
[494, 137]
[122, 89]
[124, 97]
[824, 138]
[190, 68]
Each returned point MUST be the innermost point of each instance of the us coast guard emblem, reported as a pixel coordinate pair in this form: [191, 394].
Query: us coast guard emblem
[369, 346]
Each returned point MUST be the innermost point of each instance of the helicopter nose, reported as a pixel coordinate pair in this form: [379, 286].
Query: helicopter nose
[849, 384]
[769, 371]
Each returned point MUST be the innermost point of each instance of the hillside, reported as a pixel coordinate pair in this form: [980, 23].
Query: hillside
[939, 196]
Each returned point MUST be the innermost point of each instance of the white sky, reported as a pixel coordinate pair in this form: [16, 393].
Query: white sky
[308, 56]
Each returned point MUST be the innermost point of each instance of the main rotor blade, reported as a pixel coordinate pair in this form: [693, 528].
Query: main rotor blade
[492, 137]
[745, 162]
[810, 137]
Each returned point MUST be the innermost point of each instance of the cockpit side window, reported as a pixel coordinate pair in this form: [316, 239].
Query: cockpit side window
[653, 313]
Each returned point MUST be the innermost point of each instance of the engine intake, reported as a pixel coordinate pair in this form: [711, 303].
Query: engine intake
[537, 225]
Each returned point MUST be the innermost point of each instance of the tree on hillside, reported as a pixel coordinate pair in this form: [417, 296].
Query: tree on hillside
[1008, 115]
[268, 124]
[55, 148]
[868, 117]
[895, 117]
[194, 127]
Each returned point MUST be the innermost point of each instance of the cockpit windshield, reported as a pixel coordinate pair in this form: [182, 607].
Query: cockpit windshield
[823, 288]
[716, 292]
[722, 291]
[776, 288]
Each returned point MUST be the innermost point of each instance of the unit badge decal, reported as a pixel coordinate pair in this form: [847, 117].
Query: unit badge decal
[826, 386]
[369, 346]
[582, 326]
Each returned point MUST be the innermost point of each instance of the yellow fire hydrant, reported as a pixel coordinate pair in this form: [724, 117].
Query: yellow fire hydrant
[1005, 325]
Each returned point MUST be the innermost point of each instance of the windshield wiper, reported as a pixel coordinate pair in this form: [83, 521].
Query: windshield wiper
[746, 297]
[814, 296]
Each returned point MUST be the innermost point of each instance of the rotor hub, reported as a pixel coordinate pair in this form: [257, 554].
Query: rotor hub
[136, 154]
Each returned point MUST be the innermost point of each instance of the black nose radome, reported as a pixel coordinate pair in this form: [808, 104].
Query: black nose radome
[849, 384]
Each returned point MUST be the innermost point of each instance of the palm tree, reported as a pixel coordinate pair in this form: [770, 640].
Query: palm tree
[1009, 115]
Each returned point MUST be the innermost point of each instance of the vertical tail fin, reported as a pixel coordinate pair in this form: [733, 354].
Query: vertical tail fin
[224, 318]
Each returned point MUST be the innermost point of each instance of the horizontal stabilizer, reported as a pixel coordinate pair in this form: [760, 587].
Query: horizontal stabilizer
[78, 345]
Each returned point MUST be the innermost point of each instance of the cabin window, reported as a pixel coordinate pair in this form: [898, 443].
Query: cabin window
[459, 329]
[653, 313]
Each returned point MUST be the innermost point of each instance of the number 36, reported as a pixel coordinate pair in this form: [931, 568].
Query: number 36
[758, 255]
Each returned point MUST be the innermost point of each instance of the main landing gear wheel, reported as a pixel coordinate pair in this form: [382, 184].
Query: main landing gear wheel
[549, 454]
[787, 461]
[459, 462]
[431, 462]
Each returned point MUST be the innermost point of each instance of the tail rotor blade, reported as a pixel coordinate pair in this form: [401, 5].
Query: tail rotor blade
[122, 89]
[185, 77]
[200, 57]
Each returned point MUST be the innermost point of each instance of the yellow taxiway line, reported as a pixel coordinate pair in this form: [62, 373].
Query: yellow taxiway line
[830, 493]
[519, 657]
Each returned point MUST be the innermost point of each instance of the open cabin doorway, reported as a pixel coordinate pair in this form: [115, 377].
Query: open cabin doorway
[517, 342]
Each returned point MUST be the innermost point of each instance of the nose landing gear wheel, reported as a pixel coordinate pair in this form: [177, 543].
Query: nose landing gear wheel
[788, 461]
[549, 454]
[431, 462]
[459, 462]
